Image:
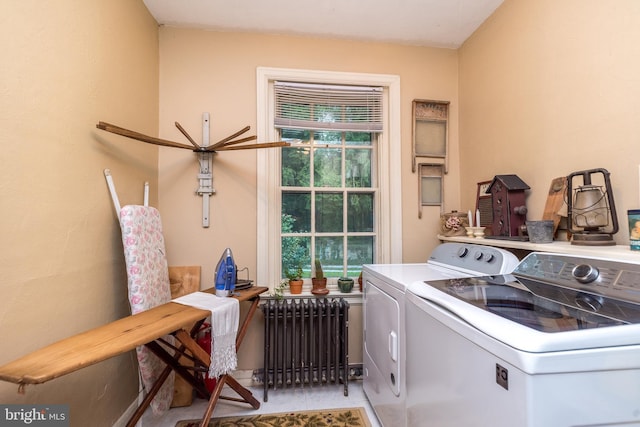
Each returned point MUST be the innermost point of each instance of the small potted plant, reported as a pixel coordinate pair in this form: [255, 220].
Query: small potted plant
[319, 281]
[295, 280]
[345, 284]
[278, 291]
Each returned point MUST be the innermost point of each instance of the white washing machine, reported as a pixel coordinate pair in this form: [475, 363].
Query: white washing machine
[555, 344]
[384, 286]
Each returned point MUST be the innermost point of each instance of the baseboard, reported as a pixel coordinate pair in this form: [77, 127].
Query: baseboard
[124, 418]
[244, 377]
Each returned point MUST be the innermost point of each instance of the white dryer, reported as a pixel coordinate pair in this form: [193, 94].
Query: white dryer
[384, 285]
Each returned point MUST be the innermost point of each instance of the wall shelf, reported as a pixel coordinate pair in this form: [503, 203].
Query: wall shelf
[616, 253]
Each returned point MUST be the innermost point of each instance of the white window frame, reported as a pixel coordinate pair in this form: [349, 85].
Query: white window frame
[389, 218]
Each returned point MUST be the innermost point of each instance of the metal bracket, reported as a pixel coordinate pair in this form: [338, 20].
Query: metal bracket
[205, 176]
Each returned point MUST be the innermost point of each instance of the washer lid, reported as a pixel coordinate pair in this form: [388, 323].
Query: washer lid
[540, 306]
[509, 311]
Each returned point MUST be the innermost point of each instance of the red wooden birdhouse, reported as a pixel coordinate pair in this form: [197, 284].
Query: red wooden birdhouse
[508, 204]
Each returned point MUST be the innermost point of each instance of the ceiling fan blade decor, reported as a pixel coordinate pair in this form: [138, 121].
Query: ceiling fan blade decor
[139, 136]
[184, 132]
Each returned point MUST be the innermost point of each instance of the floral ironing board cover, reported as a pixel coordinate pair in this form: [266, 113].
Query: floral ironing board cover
[148, 283]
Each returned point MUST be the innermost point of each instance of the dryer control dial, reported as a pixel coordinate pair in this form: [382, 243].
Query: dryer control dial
[462, 252]
[584, 273]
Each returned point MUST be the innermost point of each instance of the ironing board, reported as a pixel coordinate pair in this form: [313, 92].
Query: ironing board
[145, 328]
[101, 343]
[147, 281]
[148, 285]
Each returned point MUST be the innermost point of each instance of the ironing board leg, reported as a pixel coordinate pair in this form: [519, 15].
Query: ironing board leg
[215, 395]
[149, 397]
[172, 364]
[245, 325]
[246, 395]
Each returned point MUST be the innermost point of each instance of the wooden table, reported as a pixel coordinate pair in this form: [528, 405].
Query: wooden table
[123, 335]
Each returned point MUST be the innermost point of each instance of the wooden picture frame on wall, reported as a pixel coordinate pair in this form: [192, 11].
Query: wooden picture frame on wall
[430, 132]
[430, 186]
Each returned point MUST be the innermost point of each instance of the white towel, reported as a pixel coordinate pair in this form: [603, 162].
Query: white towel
[225, 316]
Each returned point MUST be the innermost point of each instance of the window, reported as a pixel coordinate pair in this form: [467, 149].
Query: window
[328, 199]
[317, 198]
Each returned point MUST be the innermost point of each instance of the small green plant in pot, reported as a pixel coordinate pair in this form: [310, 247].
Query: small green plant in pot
[319, 281]
[278, 291]
[295, 280]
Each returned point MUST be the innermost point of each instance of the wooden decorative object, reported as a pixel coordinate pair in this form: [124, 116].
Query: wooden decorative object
[225, 144]
[183, 280]
[508, 204]
[556, 206]
[454, 224]
[204, 152]
[483, 205]
[430, 132]
[430, 186]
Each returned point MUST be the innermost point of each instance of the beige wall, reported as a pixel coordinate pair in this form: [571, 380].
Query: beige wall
[215, 72]
[65, 66]
[550, 87]
[538, 83]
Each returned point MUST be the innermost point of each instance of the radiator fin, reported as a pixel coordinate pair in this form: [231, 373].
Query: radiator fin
[306, 343]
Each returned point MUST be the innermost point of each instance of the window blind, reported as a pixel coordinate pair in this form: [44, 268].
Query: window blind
[328, 107]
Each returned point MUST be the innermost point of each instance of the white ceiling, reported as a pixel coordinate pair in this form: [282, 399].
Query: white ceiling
[437, 23]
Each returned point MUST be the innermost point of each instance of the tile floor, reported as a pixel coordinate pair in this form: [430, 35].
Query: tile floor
[281, 400]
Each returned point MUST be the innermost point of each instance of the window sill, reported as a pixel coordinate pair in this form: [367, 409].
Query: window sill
[355, 295]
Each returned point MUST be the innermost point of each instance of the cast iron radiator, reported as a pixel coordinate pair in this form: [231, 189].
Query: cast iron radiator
[306, 343]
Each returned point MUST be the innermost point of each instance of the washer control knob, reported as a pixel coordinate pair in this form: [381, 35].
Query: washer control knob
[584, 273]
[489, 257]
[463, 252]
[478, 255]
[589, 302]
